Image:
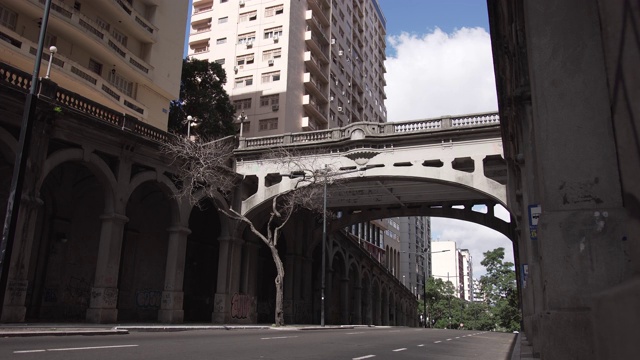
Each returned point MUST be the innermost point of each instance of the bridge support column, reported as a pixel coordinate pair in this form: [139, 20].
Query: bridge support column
[229, 268]
[104, 293]
[171, 308]
[357, 305]
[344, 300]
[14, 307]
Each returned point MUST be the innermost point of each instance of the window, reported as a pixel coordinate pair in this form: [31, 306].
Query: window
[220, 61]
[270, 33]
[223, 20]
[271, 76]
[95, 66]
[8, 18]
[120, 37]
[269, 100]
[245, 59]
[223, 1]
[242, 104]
[102, 24]
[247, 38]
[274, 10]
[244, 81]
[203, 8]
[271, 54]
[201, 27]
[268, 124]
[221, 41]
[200, 47]
[248, 16]
[121, 83]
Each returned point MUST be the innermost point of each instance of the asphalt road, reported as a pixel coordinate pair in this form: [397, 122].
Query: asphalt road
[359, 343]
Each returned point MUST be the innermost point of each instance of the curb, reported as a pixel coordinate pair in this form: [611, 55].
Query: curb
[21, 333]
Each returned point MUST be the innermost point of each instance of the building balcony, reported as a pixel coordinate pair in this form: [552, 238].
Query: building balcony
[134, 22]
[315, 87]
[320, 10]
[314, 110]
[317, 66]
[87, 33]
[317, 44]
[314, 24]
[69, 74]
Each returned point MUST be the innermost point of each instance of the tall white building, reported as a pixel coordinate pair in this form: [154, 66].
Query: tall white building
[447, 264]
[124, 54]
[467, 274]
[295, 65]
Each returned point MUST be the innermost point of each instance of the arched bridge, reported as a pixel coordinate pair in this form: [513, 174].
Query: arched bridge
[449, 166]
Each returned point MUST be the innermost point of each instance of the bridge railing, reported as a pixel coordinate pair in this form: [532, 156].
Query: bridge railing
[380, 129]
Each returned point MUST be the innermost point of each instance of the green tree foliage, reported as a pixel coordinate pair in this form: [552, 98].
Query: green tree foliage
[500, 290]
[203, 97]
[500, 311]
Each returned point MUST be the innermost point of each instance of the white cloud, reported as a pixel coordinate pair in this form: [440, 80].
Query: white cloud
[438, 74]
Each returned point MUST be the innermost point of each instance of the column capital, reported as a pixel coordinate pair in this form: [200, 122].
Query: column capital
[179, 229]
[114, 217]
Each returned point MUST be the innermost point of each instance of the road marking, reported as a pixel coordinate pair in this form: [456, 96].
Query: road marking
[364, 357]
[278, 337]
[435, 342]
[74, 349]
[401, 349]
[449, 339]
[394, 331]
[420, 345]
[355, 333]
[457, 337]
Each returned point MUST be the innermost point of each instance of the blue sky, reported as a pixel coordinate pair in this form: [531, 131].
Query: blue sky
[420, 16]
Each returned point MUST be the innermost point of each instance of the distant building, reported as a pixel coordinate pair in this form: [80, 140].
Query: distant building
[467, 275]
[414, 239]
[447, 264]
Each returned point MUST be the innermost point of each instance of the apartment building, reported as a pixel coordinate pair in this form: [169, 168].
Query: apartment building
[447, 264]
[415, 236]
[295, 65]
[467, 275]
[119, 53]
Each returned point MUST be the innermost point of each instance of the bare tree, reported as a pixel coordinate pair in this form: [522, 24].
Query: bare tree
[205, 168]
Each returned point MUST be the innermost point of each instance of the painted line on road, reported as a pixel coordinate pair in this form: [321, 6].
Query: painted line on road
[421, 345]
[278, 337]
[364, 357]
[449, 339]
[439, 341]
[394, 331]
[401, 349]
[75, 349]
[457, 337]
[355, 333]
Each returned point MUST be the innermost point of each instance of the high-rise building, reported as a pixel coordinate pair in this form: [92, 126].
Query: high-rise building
[447, 264]
[466, 274]
[119, 53]
[295, 65]
[414, 237]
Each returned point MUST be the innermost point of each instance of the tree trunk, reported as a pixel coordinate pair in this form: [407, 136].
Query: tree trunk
[279, 320]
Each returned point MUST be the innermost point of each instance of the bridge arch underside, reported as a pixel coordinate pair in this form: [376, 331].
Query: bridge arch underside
[369, 198]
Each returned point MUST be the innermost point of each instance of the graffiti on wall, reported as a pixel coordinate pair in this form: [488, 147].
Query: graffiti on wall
[148, 299]
[241, 305]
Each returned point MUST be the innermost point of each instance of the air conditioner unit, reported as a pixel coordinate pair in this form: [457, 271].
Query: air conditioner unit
[333, 41]
[340, 52]
[249, 44]
[331, 99]
[344, 93]
[339, 108]
[241, 2]
[270, 62]
[276, 38]
[275, 107]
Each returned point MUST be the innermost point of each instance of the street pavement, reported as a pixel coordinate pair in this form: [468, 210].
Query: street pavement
[520, 348]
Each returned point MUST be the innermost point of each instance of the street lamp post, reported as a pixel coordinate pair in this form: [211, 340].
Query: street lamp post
[52, 51]
[425, 283]
[242, 118]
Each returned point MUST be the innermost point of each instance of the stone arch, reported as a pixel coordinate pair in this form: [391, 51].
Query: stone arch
[8, 146]
[165, 184]
[355, 293]
[93, 162]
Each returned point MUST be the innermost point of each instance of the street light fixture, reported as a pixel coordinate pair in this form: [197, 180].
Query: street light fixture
[191, 122]
[52, 51]
[242, 118]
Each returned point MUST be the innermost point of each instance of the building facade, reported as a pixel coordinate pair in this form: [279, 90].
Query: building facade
[467, 275]
[121, 54]
[295, 65]
[448, 265]
[414, 239]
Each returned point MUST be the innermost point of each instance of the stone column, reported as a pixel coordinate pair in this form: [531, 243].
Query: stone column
[14, 307]
[344, 300]
[357, 305]
[104, 293]
[288, 288]
[228, 278]
[249, 281]
[171, 309]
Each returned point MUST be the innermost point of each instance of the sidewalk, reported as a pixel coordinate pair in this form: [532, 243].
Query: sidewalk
[36, 329]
